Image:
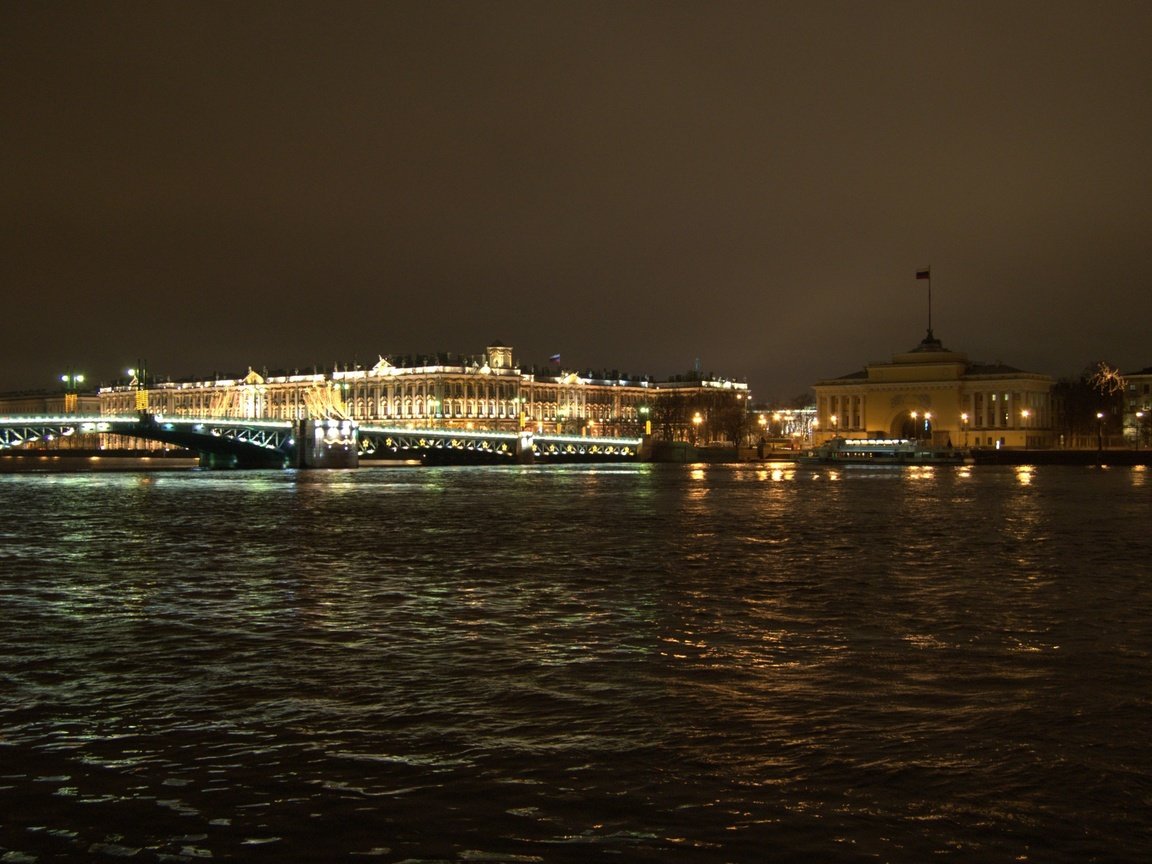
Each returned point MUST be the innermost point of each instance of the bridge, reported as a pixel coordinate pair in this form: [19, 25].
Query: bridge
[332, 443]
[456, 445]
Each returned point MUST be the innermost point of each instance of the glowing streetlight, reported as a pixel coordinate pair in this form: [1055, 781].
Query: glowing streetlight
[137, 380]
[964, 423]
[696, 421]
[72, 381]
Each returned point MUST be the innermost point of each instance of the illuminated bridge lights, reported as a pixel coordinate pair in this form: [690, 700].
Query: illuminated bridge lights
[277, 436]
[266, 435]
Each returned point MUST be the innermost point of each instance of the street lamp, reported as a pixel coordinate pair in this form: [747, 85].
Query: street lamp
[1099, 430]
[696, 421]
[964, 423]
[1139, 429]
[72, 380]
[139, 383]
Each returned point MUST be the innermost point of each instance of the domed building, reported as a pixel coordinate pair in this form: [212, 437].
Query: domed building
[934, 393]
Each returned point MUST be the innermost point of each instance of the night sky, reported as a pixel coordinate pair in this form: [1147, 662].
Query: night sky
[632, 185]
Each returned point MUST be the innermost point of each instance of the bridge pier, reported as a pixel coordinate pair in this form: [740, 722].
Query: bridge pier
[644, 452]
[327, 444]
[218, 460]
[524, 453]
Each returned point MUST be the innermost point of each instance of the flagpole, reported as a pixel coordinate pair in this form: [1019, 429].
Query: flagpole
[926, 273]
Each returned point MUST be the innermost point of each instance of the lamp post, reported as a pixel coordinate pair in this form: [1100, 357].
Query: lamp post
[1099, 430]
[964, 424]
[645, 411]
[696, 421]
[71, 380]
[139, 383]
[1139, 429]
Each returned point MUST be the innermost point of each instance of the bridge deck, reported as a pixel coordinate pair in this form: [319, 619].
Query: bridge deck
[271, 442]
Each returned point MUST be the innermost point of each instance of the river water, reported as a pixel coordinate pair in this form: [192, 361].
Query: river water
[576, 664]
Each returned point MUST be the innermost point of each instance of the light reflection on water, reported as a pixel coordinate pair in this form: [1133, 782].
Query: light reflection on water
[642, 663]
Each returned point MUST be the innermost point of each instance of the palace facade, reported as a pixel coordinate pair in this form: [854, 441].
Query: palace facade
[488, 391]
[934, 393]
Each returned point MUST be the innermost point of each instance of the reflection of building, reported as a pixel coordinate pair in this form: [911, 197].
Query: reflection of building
[1138, 407]
[931, 392]
[488, 391]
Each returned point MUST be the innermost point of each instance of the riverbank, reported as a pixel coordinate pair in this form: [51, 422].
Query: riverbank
[97, 460]
[991, 456]
[679, 451]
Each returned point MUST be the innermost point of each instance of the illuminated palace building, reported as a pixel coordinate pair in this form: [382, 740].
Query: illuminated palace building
[931, 392]
[489, 391]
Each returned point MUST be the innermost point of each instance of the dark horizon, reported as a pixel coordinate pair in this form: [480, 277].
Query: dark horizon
[636, 186]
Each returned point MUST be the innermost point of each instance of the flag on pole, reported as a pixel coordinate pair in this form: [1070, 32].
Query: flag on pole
[926, 273]
[555, 358]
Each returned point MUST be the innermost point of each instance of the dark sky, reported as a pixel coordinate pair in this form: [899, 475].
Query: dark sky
[633, 185]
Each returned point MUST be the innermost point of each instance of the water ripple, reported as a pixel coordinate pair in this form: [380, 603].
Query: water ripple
[643, 663]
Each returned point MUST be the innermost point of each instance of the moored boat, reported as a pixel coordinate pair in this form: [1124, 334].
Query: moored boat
[880, 451]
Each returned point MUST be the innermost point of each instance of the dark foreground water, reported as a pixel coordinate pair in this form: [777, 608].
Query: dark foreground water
[614, 663]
